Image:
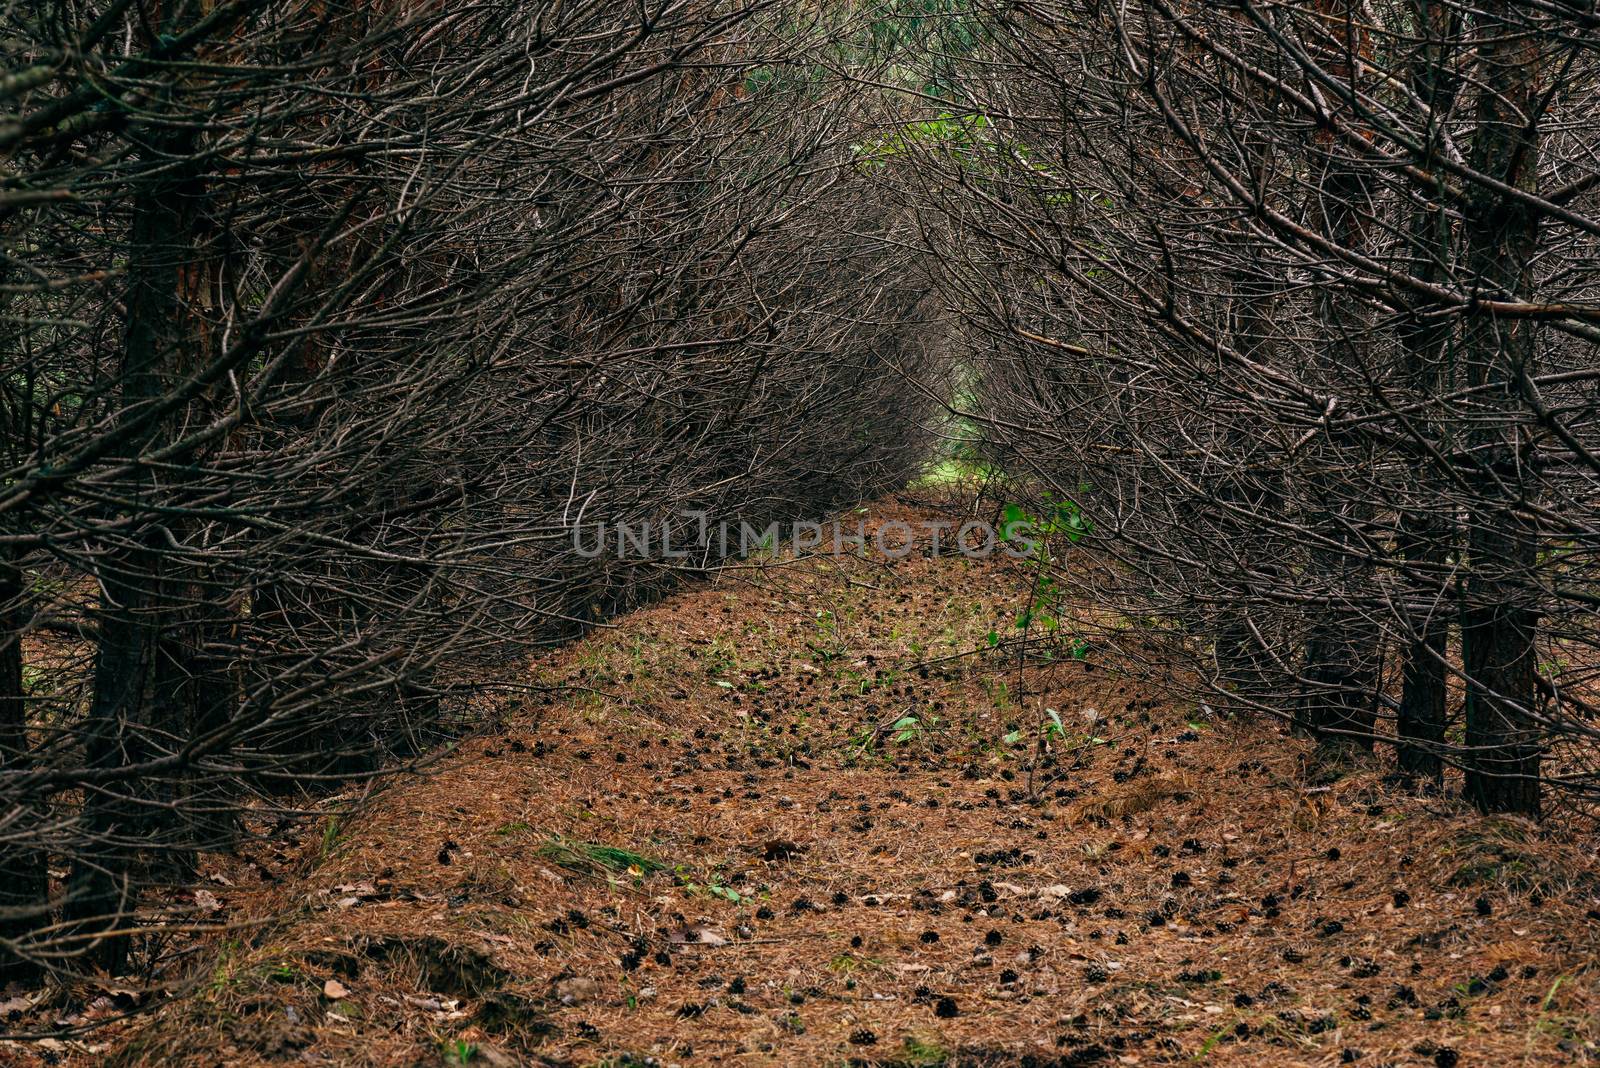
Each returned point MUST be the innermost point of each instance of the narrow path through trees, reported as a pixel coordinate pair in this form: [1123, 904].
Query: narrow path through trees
[809, 815]
[331, 329]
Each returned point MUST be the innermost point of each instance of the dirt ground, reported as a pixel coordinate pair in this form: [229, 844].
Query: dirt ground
[788, 819]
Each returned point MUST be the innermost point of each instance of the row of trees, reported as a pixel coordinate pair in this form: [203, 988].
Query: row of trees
[323, 323]
[1301, 302]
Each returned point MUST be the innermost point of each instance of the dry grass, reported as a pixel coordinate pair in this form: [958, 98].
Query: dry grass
[1132, 798]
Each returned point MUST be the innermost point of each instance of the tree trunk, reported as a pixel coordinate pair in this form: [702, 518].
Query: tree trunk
[133, 716]
[1342, 647]
[1501, 614]
[1241, 660]
[23, 903]
[1424, 539]
[1420, 719]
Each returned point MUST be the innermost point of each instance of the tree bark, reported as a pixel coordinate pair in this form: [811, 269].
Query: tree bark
[23, 889]
[1342, 646]
[1501, 614]
[133, 714]
[1424, 538]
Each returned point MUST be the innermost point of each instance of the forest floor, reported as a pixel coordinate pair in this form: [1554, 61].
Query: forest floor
[723, 842]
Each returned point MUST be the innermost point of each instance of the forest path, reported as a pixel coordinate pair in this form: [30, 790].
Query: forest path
[836, 889]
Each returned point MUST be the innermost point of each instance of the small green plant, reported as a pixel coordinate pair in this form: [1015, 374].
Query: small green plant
[1211, 1043]
[330, 838]
[1032, 534]
[924, 1052]
[908, 729]
[596, 859]
[827, 645]
[721, 659]
[459, 1051]
[283, 972]
[1053, 727]
[726, 893]
[843, 964]
[34, 680]
[711, 887]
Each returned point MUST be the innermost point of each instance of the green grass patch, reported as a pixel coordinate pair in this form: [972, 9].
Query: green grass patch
[595, 858]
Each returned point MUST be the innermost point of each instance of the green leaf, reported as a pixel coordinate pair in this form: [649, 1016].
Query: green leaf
[1014, 515]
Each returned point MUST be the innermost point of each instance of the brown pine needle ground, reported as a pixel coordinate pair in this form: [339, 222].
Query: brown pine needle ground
[727, 845]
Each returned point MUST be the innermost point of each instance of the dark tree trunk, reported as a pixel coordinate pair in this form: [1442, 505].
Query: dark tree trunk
[23, 904]
[1501, 614]
[134, 714]
[1424, 539]
[206, 673]
[1342, 646]
[1498, 647]
[1420, 719]
[1239, 653]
